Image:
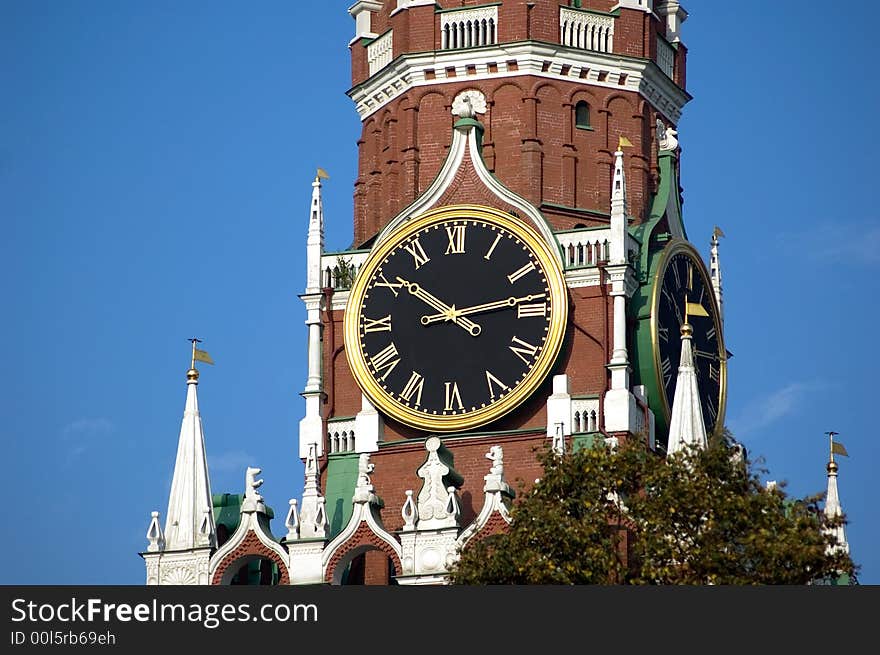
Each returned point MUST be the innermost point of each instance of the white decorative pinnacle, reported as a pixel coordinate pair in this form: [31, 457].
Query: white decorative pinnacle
[559, 439]
[686, 427]
[409, 512]
[715, 272]
[292, 521]
[618, 211]
[313, 515]
[833, 509]
[190, 486]
[154, 534]
[315, 240]
[434, 498]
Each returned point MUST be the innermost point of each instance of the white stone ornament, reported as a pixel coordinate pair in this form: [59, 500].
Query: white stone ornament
[666, 136]
[409, 512]
[434, 498]
[292, 521]
[469, 103]
[154, 534]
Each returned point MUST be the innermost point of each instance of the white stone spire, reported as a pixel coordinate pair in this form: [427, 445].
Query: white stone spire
[189, 522]
[833, 509]
[715, 271]
[686, 427]
[620, 404]
[311, 426]
[315, 242]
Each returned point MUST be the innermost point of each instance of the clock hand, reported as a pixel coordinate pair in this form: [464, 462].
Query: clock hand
[475, 309]
[416, 290]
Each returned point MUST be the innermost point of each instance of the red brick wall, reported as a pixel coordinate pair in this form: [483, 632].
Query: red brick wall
[530, 141]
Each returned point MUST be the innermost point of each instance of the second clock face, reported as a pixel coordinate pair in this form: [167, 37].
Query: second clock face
[684, 282]
[455, 319]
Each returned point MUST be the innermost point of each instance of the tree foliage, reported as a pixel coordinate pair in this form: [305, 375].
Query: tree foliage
[626, 515]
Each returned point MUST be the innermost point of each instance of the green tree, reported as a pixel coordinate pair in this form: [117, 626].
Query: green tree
[626, 515]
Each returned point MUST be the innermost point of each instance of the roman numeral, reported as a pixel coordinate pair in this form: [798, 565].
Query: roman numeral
[676, 275]
[492, 248]
[691, 278]
[394, 286]
[522, 349]
[413, 388]
[668, 296]
[452, 396]
[714, 373]
[501, 386]
[456, 239]
[666, 370]
[513, 277]
[379, 325]
[537, 309]
[710, 335]
[663, 333]
[415, 249]
[385, 360]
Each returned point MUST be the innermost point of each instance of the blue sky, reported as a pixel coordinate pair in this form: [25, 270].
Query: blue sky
[155, 170]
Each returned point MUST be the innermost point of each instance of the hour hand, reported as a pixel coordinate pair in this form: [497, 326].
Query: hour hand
[448, 312]
[476, 309]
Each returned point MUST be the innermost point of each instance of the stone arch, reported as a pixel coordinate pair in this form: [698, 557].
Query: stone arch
[249, 549]
[610, 98]
[582, 93]
[514, 83]
[364, 539]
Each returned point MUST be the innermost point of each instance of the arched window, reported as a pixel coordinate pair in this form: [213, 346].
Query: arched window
[582, 115]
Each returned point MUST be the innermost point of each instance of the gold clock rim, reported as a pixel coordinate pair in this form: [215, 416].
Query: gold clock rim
[549, 260]
[673, 247]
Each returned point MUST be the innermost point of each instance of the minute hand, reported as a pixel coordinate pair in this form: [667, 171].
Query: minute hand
[447, 312]
[477, 309]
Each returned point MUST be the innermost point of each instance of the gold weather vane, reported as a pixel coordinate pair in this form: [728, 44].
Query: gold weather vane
[623, 142]
[837, 448]
[199, 355]
[717, 232]
[321, 174]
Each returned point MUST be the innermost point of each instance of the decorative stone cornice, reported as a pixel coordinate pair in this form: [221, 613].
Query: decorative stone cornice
[539, 59]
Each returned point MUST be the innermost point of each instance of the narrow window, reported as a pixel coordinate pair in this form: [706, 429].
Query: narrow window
[582, 115]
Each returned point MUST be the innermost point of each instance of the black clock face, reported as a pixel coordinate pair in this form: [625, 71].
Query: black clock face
[685, 281]
[457, 320]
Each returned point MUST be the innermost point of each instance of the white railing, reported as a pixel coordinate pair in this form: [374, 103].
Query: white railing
[584, 415]
[469, 28]
[340, 435]
[665, 57]
[581, 29]
[339, 269]
[379, 53]
[589, 246]
[584, 248]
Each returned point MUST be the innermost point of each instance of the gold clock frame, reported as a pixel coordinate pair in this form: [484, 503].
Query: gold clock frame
[674, 247]
[552, 267]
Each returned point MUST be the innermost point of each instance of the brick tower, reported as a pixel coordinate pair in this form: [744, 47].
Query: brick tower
[564, 84]
[551, 122]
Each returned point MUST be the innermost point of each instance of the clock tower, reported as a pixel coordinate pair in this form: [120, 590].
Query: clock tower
[559, 118]
[520, 277]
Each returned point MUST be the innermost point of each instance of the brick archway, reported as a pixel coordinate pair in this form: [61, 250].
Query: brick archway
[250, 548]
[362, 540]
